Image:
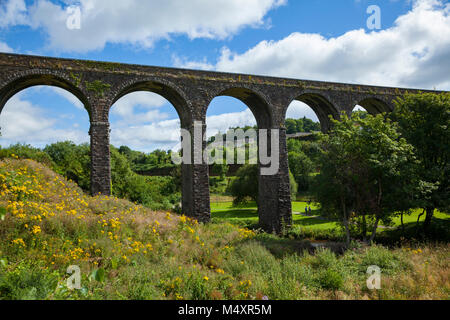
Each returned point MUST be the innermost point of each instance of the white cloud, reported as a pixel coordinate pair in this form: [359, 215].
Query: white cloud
[138, 22]
[186, 64]
[166, 134]
[125, 106]
[146, 137]
[4, 47]
[21, 121]
[414, 52]
[12, 12]
[67, 95]
[220, 123]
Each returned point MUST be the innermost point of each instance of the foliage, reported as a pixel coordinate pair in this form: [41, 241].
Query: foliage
[365, 170]
[72, 161]
[153, 192]
[424, 121]
[301, 125]
[303, 158]
[140, 161]
[302, 168]
[293, 185]
[245, 185]
[27, 282]
[24, 151]
[126, 251]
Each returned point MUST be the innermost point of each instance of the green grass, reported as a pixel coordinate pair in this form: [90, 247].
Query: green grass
[415, 214]
[126, 251]
[246, 214]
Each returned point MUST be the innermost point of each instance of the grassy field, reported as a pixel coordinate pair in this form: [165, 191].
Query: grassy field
[246, 214]
[127, 251]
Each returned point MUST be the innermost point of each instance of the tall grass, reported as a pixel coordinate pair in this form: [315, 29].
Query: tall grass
[127, 251]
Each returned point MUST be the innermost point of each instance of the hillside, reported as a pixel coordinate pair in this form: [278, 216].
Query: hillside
[127, 251]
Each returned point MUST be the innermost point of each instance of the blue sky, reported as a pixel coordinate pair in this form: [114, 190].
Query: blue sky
[316, 39]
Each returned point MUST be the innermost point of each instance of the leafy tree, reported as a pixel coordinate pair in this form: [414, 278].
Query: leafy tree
[72, 161]
[294, 185]
[291, 126]
[424, 121]
[363, 173]
[120, 172]
[309, 125]
[301, 125]
[301, 167]
[245, 185]
[26, 151]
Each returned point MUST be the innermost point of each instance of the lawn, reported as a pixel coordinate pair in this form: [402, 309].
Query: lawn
[247, 214]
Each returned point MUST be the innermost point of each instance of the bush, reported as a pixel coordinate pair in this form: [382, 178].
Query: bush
[72, 161]
[26, 151]
[331, 279]
[383, 258]
[245, 185]
[302, 168]
[27, 282]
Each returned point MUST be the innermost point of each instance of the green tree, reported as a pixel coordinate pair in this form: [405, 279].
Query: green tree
[72, 161]
[245, 185]
[424, 121]
[301, 167]
[26, 151]
[291, 126]
[120, 172]
[301, 125]
[363, 173]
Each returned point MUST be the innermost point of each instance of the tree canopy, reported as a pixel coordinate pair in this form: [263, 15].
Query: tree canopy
[363, 172]
[424, 121]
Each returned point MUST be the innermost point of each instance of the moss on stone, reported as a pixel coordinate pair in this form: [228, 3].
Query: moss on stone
[97, 86]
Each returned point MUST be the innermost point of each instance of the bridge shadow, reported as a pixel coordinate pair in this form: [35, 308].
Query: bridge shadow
[235, 214]
[439, 231]
[310, 221]
[247, 214]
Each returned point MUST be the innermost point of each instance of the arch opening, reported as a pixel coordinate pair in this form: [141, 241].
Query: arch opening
[172, 95]
[232, 149]
[145, 130]
[50, 125]
[320, 107]
[22, 83]
[373, 106]
[360, 110]
[252, 101]
[302, 125]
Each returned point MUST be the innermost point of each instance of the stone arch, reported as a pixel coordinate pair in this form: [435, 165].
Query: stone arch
[30, 78]
[193, 204]
[256, 101]
[320, 104]
[162, 87]
[375, 105]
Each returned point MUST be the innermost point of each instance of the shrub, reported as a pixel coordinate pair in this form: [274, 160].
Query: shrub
[26, 151]
[245, 185]
[72, 161]
[27, 282]
[383, 258]
[331, 279]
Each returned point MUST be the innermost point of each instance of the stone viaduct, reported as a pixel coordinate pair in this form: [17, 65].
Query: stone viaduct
[99, 84]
